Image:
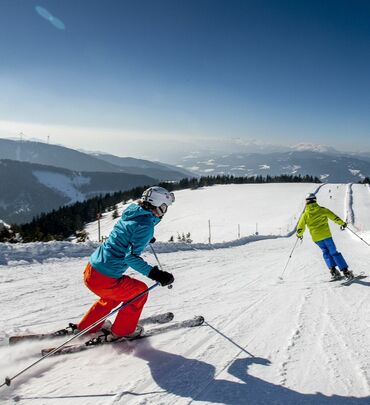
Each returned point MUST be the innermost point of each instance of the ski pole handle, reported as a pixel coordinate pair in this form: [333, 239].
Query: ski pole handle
[156, 257]
[159, 264]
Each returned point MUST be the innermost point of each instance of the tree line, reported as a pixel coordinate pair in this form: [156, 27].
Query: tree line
[69, 220]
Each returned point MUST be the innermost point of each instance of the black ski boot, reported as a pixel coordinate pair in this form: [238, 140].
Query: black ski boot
[108, 336]
[348, 274]
[71, 329]
[335, 273]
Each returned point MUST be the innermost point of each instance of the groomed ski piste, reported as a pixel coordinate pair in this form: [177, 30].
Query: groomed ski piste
[300, 340]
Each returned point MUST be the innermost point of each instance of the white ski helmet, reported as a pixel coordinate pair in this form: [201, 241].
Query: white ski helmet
[311, 198]
[158, 197]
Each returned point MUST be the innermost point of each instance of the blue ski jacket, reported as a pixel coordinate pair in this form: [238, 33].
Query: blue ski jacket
[129, 237]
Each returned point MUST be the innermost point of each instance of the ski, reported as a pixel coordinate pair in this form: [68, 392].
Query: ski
[354, 279]
[154, 319]
[189, 323]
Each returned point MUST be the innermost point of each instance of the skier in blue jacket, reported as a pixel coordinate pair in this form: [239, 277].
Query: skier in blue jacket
[105, 272]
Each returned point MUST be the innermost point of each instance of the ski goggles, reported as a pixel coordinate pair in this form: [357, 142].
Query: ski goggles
[172, 197]
[162, 209]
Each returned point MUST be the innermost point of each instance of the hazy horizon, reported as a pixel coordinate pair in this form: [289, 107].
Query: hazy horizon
[175, 155]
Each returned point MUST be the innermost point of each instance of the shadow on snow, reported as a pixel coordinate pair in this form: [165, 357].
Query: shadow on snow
[196, 380]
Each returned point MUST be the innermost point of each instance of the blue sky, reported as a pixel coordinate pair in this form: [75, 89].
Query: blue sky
[149, 77]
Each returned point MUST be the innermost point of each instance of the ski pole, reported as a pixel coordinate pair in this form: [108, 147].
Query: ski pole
[363, 240]
[159, 264]
[291, 253]
[8, 380]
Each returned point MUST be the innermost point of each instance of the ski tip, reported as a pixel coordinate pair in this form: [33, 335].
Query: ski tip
[12, 340]
[164, 318]
[15, 339]
[44, 352]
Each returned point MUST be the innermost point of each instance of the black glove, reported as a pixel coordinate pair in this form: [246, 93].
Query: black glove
[162, 277]
[152, 240]
[343, 227]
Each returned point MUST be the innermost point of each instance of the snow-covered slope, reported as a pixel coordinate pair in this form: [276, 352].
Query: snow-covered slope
[271, 208]
[300, 341]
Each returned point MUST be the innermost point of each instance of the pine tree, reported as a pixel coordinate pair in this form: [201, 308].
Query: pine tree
[115, 212]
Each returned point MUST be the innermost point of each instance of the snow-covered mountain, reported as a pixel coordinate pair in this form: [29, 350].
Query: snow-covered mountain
[60, 156]
[28, 189]
[329, 167]
[157, 170]
[311, 147]
[300, 340]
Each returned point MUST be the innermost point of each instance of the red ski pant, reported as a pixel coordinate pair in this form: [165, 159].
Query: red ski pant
[112, 292]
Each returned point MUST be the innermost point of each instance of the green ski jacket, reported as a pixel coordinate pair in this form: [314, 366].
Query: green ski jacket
[316, 219]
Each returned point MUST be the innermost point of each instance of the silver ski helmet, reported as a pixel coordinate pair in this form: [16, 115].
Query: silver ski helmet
[159, 198]
[310, 198]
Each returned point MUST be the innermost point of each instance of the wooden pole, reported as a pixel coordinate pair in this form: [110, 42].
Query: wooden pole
[98, 216]
[209, 231]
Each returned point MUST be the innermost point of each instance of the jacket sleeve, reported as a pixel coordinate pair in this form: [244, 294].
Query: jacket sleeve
[140, 239]
[333, 217]
[301, 225]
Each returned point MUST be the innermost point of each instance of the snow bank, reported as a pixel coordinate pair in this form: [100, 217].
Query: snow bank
[27, 253]
[38, 252]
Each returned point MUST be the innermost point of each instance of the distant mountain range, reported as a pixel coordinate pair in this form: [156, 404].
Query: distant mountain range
[36, 177]
[28, 189]
[158, 170]
[330, 166]
[60, 156]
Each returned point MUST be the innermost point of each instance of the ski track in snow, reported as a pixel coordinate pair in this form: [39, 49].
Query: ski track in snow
[265, 341]
[361, 206]
[350, 215]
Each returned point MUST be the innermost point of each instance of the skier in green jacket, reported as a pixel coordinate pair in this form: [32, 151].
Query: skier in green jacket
[316, 219]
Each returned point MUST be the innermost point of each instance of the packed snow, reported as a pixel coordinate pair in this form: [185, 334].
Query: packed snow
[222, 213]
[300, 340]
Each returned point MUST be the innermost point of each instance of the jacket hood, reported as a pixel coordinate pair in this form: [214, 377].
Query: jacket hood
[311, 207]
[134, 211]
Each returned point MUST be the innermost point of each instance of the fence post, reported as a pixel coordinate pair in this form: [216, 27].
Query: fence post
[98, 217]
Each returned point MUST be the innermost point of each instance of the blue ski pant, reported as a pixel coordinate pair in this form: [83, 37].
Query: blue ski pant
[331, 256]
